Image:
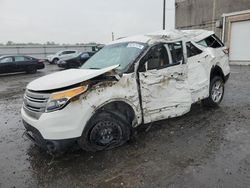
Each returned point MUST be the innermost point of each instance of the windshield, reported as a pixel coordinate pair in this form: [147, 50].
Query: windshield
[122, 54]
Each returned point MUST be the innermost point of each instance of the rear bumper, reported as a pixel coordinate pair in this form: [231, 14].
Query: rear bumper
[52, 146]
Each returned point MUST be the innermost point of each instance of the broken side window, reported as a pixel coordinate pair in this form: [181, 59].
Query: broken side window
[212, 41]
[157, 58]
[192, 50]
[218, 40]
[176, 51]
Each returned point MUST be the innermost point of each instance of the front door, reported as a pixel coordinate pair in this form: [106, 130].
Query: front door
[163, 83]
[7, 65]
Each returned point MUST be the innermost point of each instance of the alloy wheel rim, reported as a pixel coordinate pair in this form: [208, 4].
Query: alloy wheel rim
[217, 91]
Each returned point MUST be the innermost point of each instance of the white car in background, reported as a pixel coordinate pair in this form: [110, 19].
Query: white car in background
[61, 54]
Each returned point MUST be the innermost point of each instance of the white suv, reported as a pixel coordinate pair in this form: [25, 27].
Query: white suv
[129, 82]
[61, 54]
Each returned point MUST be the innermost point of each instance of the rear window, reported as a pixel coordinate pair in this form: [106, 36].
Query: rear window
[192, 50]
[68, 52]
[212, 41]
[21, 58]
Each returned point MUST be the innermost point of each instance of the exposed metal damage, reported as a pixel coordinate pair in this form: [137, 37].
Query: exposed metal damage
[131, 81]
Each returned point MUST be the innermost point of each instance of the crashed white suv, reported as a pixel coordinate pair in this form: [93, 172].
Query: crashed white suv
[131, 81]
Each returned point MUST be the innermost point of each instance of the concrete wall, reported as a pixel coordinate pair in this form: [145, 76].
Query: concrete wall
[41, 51]
[196, 14]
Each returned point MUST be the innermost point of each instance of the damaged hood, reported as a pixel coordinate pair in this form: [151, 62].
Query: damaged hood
[66, 78]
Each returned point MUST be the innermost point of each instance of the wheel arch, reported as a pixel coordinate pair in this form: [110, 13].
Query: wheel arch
[216, 71]
[54, 58]
[118, 108]
[107, 109]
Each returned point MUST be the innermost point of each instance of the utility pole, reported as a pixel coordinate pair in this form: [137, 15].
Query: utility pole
[164, 13]
[113, 37]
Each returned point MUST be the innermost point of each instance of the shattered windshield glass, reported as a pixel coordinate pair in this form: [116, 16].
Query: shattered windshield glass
[122, 54]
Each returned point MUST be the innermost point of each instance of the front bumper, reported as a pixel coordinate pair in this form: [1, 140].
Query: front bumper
[66, 123]
[52, 146]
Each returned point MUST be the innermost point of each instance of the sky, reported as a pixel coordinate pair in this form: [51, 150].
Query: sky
[77, 21]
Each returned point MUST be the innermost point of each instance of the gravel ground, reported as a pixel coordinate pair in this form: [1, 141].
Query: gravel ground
[204, 148]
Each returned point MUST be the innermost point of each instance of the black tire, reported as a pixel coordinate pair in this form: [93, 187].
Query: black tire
[54, 60]
[32, 70]
[215, 99]
[104, 131]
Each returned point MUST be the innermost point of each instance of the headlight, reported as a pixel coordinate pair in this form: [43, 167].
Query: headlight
[59, 99]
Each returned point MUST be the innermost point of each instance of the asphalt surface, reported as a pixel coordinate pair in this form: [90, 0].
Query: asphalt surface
[204, 148]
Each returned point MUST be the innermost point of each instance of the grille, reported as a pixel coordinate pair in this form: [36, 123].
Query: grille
[35, 103]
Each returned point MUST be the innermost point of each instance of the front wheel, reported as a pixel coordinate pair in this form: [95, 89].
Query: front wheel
[104, 131]
[216, 92]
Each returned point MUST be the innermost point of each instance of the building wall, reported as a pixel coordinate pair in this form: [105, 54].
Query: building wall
[203, 14]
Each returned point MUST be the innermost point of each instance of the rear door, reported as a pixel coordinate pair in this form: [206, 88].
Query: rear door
[163, 82]
[7, 65]
[23, 63]
[198, 71]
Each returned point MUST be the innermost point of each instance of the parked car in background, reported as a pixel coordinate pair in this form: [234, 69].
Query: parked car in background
[131, 81]
[75, 62]
[61, 54]
[18, 63]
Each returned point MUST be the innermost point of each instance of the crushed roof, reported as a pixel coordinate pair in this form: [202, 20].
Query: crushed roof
[167, 36]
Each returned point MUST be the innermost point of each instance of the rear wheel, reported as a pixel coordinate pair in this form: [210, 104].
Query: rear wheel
[216, 92]
[55, 60]
[31, 70]
[104, 131]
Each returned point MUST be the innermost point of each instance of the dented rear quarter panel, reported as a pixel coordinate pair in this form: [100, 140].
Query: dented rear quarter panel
[200, 67]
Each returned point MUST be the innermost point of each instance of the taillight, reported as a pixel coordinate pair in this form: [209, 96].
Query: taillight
[226, 51]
